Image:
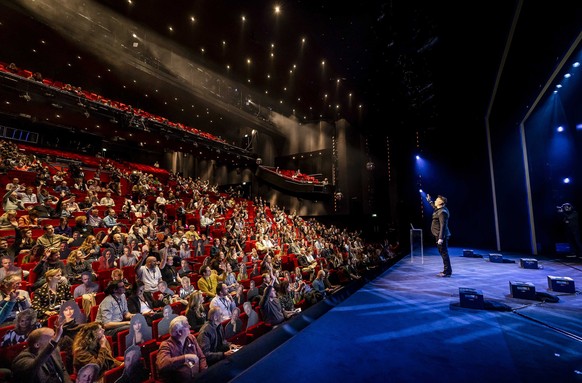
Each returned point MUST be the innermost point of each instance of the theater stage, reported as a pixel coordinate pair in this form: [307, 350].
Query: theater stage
[406, 325]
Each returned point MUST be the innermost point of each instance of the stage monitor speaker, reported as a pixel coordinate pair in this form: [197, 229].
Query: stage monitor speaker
[522, 290]
[496, 258]
[468, 253]
[528, 263]
[561, 284]
[471, 298]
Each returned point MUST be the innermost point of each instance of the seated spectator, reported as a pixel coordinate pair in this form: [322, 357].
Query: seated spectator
[149, 273]
[209, 281]
[273, 312]
[25, 322]
[107, 260]
[91, 346]
[62, 188]
[77, 264]
[48, 298]
[128, 258]
[212, 339]
[230, 280]
[50, 261]
[253, 291]
[88, 285]
[91, 248]
[321, 285]
[50, 240]
[169, 272]
[93, 219]
[10, 201]
[239, 295]
[113, 312]
[142, 302]
[45, 209]
[82, 227]
[8, 220]
[110, 219]
[23, 241]
[41, 361]
[8, 267]
[185, 269]
[180, 358]
[29, 220]
[63, 228]
[11, 284]
[195, 311]
[107, 200]
[223, 301]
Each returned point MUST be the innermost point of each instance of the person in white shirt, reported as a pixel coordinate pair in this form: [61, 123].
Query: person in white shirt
[150, 274]
[107, 200]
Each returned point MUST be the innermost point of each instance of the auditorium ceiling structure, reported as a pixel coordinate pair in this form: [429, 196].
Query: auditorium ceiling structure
[224, 66]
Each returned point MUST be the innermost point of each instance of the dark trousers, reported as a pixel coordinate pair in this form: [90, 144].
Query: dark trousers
[444, 252]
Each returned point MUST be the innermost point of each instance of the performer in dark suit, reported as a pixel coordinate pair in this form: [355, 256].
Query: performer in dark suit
[440, 230]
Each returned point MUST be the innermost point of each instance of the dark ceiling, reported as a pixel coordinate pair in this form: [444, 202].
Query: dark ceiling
[389, 65]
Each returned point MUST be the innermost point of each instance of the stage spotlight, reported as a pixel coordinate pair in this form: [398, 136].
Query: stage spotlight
[566, 180]
[417, 157]
[560, 129]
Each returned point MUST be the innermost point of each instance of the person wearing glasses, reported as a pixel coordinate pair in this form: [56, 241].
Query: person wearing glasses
[113, 312]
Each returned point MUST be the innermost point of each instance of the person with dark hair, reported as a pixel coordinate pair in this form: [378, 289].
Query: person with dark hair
[113, 312]
[142, 302]
[223, 301]
[133, 368]
[271, 308]
[440, 230]
[212, 339]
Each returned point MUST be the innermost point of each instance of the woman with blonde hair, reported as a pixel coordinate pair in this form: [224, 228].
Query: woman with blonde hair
[8, 220]
[76, 266]
[49, 297]
[195, 312]
[91, 346]
[90, 247]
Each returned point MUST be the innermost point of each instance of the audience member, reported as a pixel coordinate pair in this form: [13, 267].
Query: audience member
[49, 297]
[11, 284]
[91, 346]
[149, 273]
[223, 301]
[41, 361]
[113, 312]
[212, 340]
[180, 358]
[195, 311]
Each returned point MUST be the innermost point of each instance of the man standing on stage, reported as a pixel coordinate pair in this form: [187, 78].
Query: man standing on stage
[440, 230]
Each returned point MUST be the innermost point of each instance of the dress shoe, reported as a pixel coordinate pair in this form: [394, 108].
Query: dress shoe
[443, 275]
